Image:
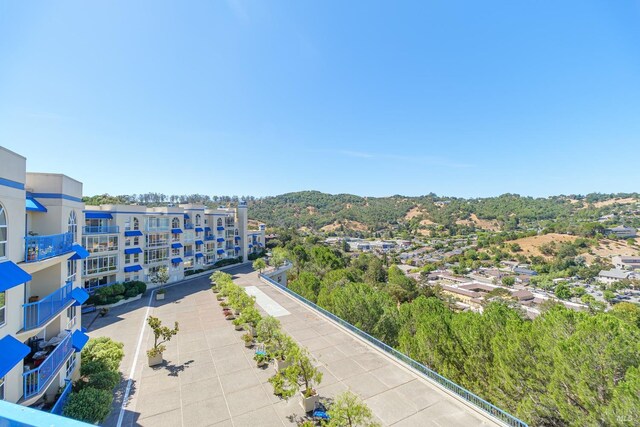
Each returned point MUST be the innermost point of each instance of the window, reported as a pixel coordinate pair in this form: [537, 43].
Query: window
[3, 304]
[155, 240]
[157, 224]
[219, 222]
[156, 255]
[175, 252]
[3, 232]
[136, 241]
[198, 219]
[70, 366]
[71, 317]
[175, 223]
[100, 243]
[72, 268]
[129, 258]
[136, 224]
[72, 225]
[100, 264]
[1, 388]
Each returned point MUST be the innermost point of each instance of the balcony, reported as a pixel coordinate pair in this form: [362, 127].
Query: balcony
[59, 405]
[209, 237]
[37, 379]
[188, 253]
[101, 229]
[188, 226]
[38, 248]
[38, 313]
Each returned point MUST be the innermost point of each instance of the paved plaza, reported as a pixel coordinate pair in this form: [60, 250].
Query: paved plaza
[210, 379]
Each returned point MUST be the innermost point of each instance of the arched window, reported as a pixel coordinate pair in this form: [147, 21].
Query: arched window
[136, 224]
[3, 232]
[237, 232]
[219, 222]
[175, 223]
[72, 225]
[198, 219]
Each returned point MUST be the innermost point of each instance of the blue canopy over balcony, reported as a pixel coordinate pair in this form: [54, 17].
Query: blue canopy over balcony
[131, 251]
[11, 275]
[97, 215]
[237, 248]
[133, 233]
[80, 295]
[220, 251]
[199, 255]
[199, 242]
[207, 229]
[199, 230]
[81, 253]
[176, 245]
[220, 228]
[176, 260]
[132, 268]
[220, 239]
[34, 205]
[176, 231]
[79, 340]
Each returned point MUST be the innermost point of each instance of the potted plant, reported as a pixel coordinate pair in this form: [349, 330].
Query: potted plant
[237, 322]
[299, 377]
[160, 294]
[161, 334]
[261, 359]
[219, 297]
[215, 289]
[267, 327]
[348, 409]
[229, 315]
[251, 317]
[279, 348]
[248, 340]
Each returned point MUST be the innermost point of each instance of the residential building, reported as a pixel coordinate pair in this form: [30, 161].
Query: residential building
[40, 284]
[626, 262]
[621, 232]
[131, 242]
[615, 275]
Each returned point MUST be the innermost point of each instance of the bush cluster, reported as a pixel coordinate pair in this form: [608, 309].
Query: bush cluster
[92, 394]
[117, 292]
[221, 263]
[256, 255]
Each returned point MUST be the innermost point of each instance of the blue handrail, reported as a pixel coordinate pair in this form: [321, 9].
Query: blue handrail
[37, 379]
[38, 248]
[59, 406]
[38, 313]
[101, 229]
[460, 391]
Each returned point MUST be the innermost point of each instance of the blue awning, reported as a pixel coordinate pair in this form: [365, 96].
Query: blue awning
[207, 229]
[12, 351]
[176, 230]
[187, 216]
[259, 244]
[97, 215]
[78, 340]
[132, 268]
[81, 253]
[237, 237]
[220, 228]
[176, 245]
[11, 275]
[220, 239]
[176, 260]
[132, 233]
[80, 295]
[237, 248]
[199, 255]
[199, 242]
[199, 230]
[34, 205]
[131, 251]
[220, 251]
[250, 245]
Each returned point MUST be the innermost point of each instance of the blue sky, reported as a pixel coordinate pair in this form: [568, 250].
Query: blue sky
[373, 98]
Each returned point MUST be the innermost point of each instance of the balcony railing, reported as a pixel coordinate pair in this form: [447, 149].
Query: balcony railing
[188, 226]
[38, 248]
[188, 253]
[36, 380]
[101, 229]
[38, 313]
[57, 408]
[209, 237]
[443, 382]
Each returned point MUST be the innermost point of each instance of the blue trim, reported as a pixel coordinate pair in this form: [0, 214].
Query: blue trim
[79, 340]
[97, 215]
[11, 275]
[81, 253]
[80, 295]
[32, 204]
[12, 184]
[11, 352]
[13, 415]
[57, 196]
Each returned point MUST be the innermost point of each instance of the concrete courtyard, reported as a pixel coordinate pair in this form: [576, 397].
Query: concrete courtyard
[210, 379]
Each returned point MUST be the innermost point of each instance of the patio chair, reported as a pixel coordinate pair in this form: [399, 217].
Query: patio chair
[260, 350]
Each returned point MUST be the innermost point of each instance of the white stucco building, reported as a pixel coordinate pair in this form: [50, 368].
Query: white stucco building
[40, 283]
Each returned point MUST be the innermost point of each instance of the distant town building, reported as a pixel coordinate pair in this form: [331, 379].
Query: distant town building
[615, 275]
[626, 262]
[621, 232]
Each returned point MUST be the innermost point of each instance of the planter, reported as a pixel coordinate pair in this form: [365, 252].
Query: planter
[262, 364]
[254, 331]
[248, 344]
[309, 403]
[230, 317]
[238, 327]
[159, 296]
[281, 364]
[155, 360]
[219, 297]
[215, 291]
[236, 312]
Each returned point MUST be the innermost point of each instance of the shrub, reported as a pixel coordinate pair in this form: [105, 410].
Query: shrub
[103, 380]
[130, 293]
[105, 350]
[90, 405]
[118, 289]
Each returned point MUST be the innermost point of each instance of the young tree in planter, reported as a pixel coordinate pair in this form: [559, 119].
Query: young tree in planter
[278, 257]
[300, 376]
[259, 265]
[250, 316]
[267, 328]
[279, 348]
[161, 334]
[161, 277]
[348, 410]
